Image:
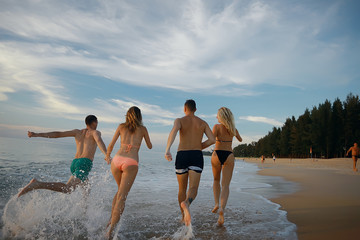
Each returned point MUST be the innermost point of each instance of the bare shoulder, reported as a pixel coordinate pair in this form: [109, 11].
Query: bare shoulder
[97, 133]
[143, 129]
[217, 125]
[180, 119]
[78, 131]
[203, 122]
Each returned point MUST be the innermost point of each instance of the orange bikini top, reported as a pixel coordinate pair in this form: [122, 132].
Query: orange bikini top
[129, 146]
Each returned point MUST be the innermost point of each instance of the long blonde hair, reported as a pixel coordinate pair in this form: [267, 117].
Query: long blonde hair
[133, 119]
[226, 118]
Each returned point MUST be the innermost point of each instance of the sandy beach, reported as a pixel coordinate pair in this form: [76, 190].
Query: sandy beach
[327, 206]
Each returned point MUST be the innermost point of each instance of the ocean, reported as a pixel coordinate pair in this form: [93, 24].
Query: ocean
[152, 210]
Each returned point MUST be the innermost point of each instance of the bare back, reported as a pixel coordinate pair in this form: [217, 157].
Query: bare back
[355, 151]
[223, 138]
[85, 144]
[134, 140]
[191, 133]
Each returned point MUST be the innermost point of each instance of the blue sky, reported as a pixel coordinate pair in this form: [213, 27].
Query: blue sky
[265, 60]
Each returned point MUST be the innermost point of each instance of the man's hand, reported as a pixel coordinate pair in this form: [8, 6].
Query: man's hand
[168, 156]
[31, 134]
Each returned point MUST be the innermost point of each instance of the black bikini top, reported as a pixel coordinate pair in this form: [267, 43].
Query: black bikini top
[222, 141]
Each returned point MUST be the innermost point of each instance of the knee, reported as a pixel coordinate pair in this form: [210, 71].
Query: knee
[194, 190]
[217, 179]
[182, 193]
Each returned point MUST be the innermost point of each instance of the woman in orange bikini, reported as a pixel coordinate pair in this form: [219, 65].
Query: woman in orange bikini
[124, 166]
[223, 159]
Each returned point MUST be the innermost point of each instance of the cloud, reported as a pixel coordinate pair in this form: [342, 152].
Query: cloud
[262, 120]
[114, 109]
[188, 46]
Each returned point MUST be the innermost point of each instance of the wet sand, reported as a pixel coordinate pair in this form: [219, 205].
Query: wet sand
[327, 206]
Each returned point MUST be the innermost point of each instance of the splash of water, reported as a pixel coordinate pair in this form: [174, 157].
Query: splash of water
[183, 233]
[42, 214]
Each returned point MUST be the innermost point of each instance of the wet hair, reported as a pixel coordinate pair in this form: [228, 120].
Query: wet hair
[90, 119]
[133, 119]
[226, 118]
[191, 105]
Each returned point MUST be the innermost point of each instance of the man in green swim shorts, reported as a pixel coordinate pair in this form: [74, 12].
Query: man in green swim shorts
[86, 142]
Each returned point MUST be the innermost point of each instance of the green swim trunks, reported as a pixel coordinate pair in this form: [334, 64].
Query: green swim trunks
[81, 167]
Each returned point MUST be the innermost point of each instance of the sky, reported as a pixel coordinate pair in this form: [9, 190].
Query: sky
[265, 60]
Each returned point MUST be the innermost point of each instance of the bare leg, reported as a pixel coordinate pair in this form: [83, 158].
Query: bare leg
[126, 182]
[112, 207]
[216, 168]
[52, 186]
[183, 182]
[194, 180]
[354, 161]
[225, 184]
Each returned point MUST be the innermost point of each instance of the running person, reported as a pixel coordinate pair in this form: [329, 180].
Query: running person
[86, 142]
[124, 166]
[355, 152]
[189, 159]
[222, 159]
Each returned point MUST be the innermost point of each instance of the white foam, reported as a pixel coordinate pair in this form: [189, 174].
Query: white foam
[151, 209]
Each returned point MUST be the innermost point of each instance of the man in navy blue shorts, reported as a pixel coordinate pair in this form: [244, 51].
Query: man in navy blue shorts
[189, 158]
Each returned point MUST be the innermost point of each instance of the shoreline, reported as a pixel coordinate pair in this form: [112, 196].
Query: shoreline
[327, 205]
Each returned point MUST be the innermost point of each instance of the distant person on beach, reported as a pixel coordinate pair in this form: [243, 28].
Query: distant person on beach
[86, 140]
[262, 158]
[124, 166]
[189, 159]
[222, 159]
[355, 152]
[274, 158]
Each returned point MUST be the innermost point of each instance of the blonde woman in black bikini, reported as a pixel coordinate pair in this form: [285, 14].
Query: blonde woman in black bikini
[223, 159]
[124, 166]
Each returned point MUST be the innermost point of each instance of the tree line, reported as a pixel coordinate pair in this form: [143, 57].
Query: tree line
[329, 129]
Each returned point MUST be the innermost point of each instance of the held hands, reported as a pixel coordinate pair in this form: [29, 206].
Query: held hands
[108, 159]
[168, 156]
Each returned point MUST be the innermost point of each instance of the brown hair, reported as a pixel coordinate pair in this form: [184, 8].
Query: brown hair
[133, 119]
[191, 105]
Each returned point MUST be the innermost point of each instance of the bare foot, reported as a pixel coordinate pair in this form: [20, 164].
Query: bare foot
[221, 218]
[187, 216]
[355, 169]
[28, 187]
[215, 209]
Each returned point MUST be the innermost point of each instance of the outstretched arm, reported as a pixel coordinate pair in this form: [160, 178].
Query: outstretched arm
[238, 137]
[56, 134]
[147, 139]
[347, 153]
[211, 138]
[171, 138]
[100, 142]
[111, 144]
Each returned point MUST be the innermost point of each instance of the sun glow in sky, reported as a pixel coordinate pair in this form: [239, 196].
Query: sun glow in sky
[265, 60]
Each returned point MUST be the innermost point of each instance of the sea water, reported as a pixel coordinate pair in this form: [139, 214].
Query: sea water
[152, 210]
